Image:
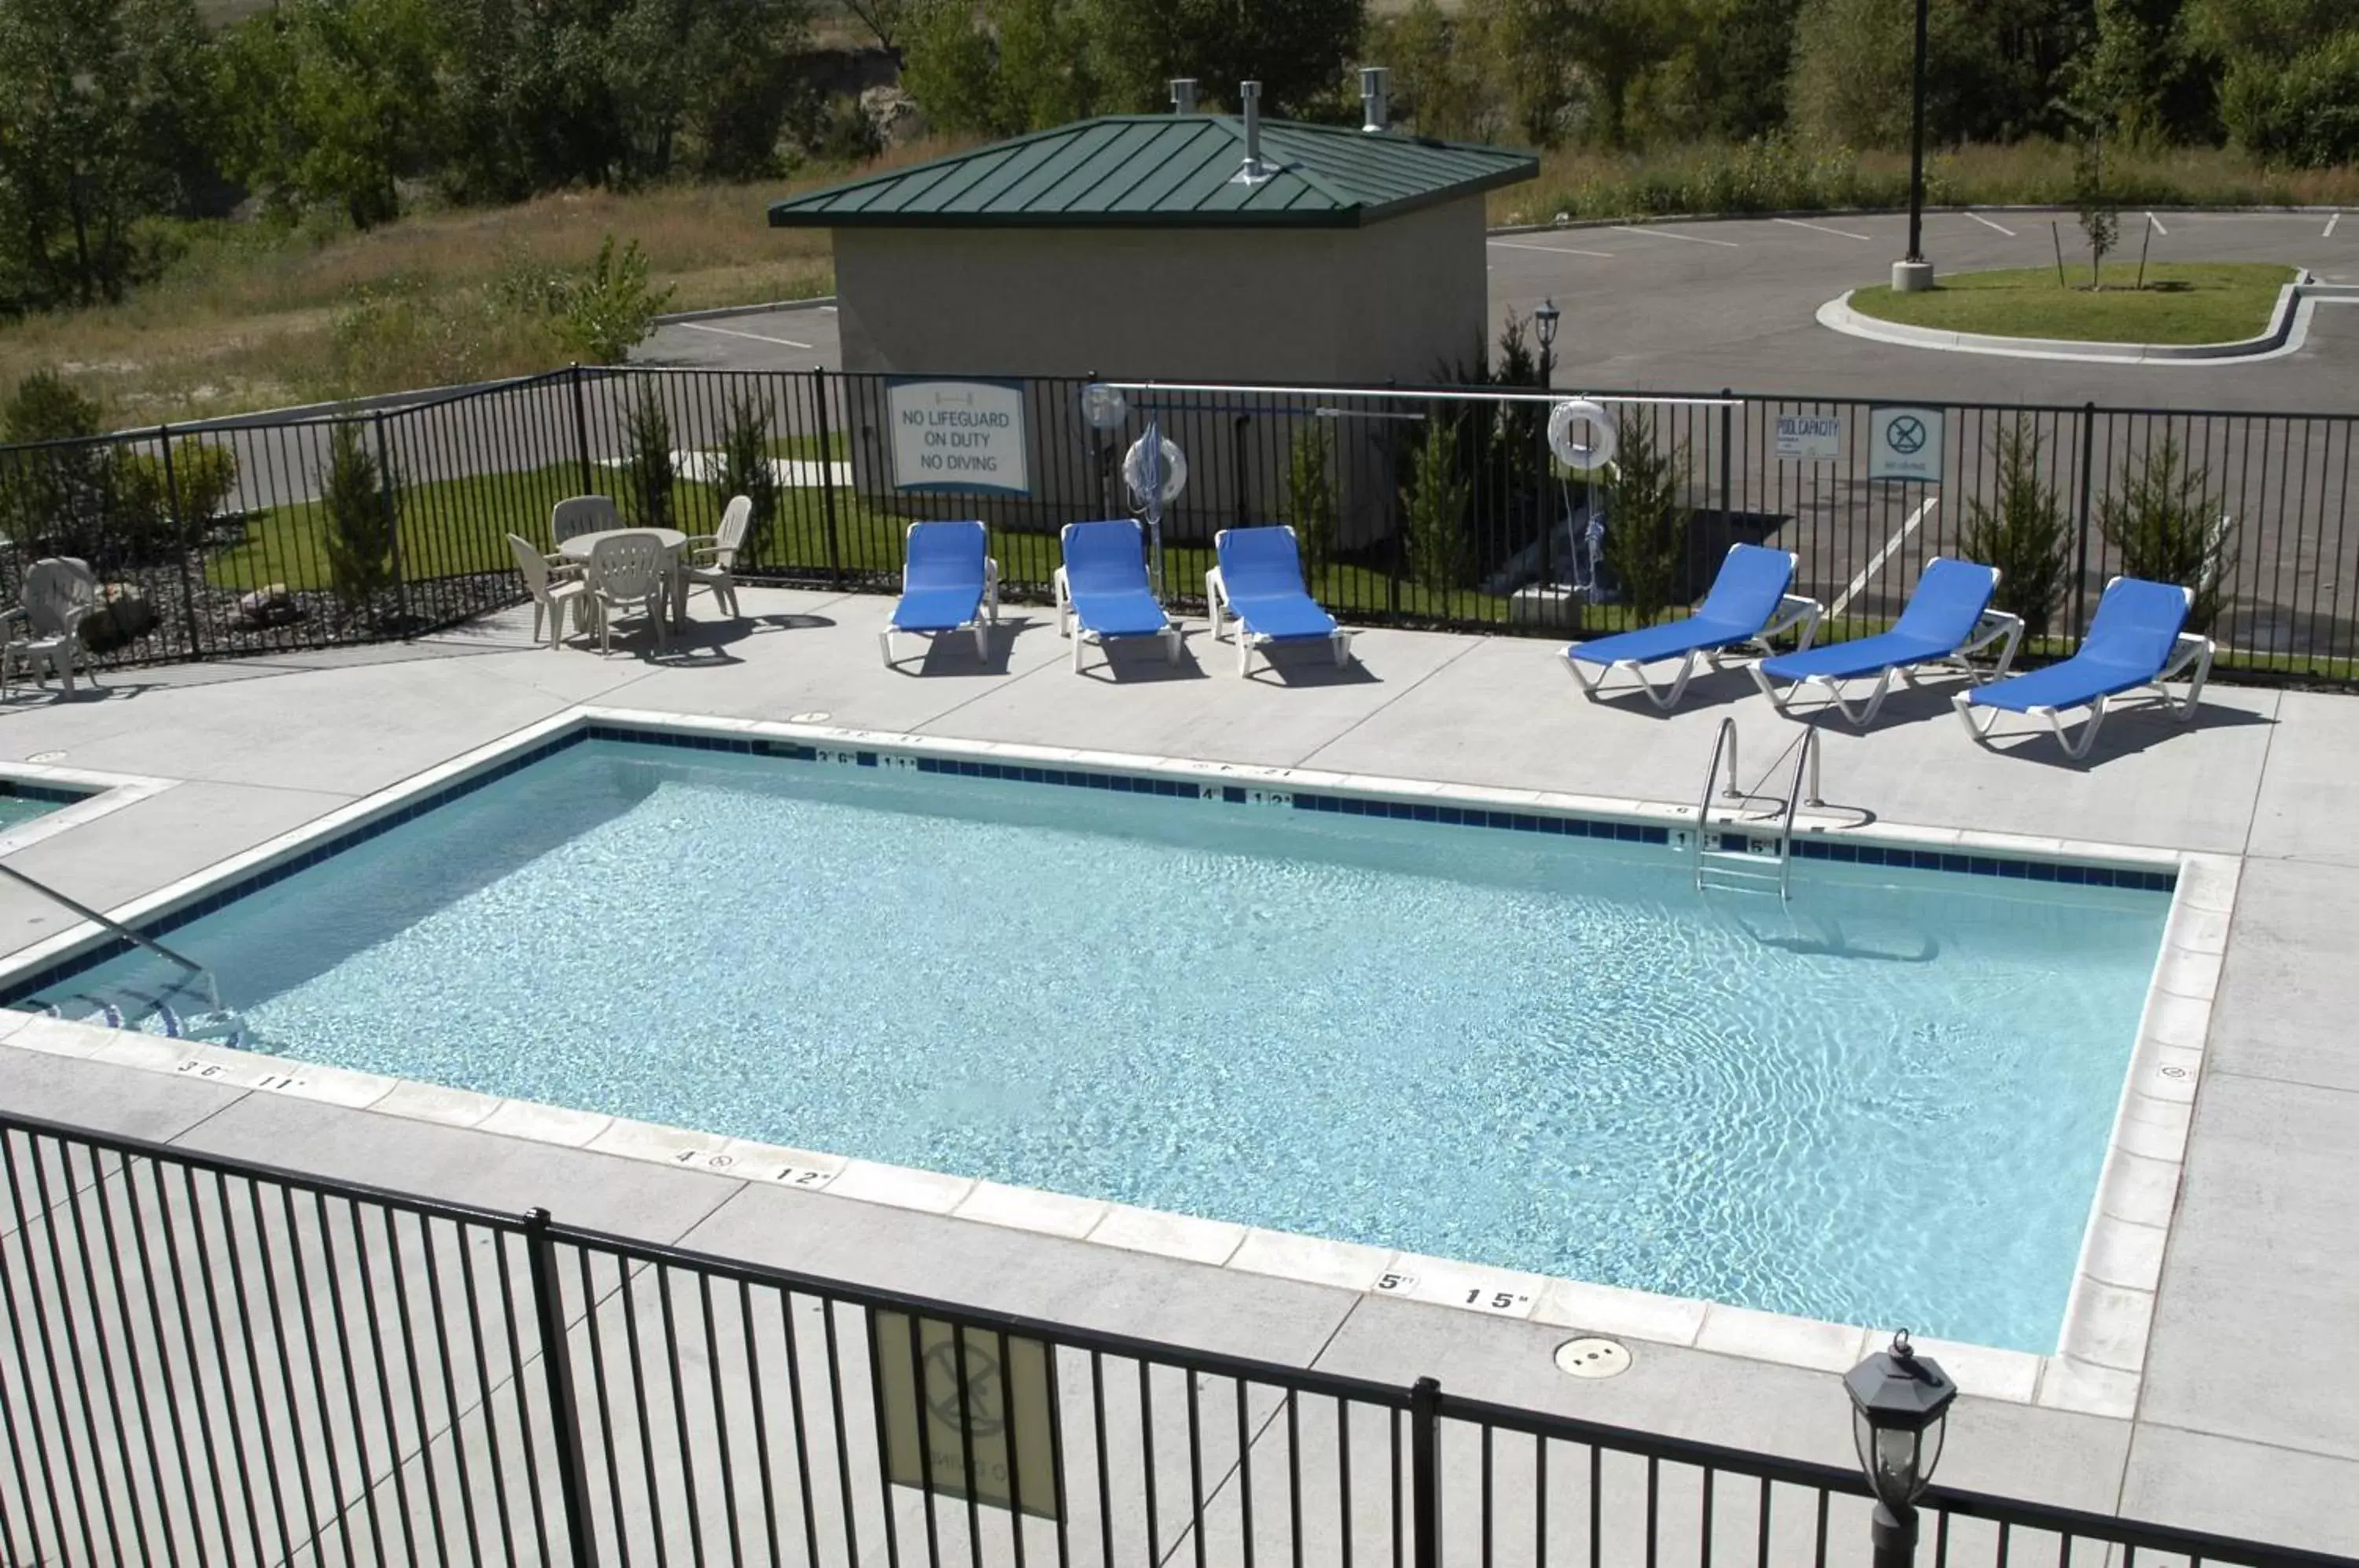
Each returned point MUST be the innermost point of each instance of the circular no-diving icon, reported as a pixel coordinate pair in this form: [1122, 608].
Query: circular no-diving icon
[979, 1411]
[1906, 435]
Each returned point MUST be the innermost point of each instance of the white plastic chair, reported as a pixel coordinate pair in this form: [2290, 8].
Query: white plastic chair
[709, 559]
[570, 519]
[46, 627]
[551, 595]
[627, 569]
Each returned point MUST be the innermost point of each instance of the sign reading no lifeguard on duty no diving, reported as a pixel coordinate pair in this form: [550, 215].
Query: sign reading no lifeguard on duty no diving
[958, 435]
[1904, 443]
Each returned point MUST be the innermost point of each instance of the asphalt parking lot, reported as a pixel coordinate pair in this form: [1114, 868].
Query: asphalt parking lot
[1705, 305]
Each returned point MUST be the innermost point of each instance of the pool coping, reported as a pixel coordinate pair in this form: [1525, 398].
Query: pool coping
[2100, 1357]
[91, 795]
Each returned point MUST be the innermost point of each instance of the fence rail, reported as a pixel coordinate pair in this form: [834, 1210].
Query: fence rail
[215, 1362]
[1436, 506]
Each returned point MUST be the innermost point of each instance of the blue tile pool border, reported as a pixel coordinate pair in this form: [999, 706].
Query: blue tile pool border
[1805, 847]
[57, 794]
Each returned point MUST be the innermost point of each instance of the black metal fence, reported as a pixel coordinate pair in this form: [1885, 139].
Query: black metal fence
[1434, 507]
[204, 1361]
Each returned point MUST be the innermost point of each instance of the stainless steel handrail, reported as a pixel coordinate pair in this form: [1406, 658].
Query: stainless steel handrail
[1807, 759]
[116, 927]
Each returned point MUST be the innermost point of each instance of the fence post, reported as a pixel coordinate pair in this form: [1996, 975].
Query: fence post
[581, 429]
[827, 471]
[179, 542]
[1727, 461]
[385, 489]
[2080, 550]
[557, 1366]
[1425, 1472]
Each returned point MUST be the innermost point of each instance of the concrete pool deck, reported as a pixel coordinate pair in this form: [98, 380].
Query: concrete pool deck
[2241, 1427]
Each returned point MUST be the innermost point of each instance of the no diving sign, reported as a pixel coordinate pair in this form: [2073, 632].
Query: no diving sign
[1904, 443]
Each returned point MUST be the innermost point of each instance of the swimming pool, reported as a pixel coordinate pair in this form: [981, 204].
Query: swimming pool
[1511, 1043]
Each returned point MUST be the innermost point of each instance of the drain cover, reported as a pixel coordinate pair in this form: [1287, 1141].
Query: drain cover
[1591, 1358]
[816, 716]
[46, 757]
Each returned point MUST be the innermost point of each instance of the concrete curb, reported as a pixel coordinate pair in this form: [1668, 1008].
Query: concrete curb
[722, 313]
[1949, 209]
[2288, 326]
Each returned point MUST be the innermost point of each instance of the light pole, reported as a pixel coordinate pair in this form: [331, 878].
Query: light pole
[1915, 274]
[1546, 318]
[1901, 1402]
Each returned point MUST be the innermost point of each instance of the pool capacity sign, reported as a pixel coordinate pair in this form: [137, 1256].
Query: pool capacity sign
[958, 435]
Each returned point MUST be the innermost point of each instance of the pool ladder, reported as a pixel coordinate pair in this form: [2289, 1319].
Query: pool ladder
[1746, 868]
[210, 1020]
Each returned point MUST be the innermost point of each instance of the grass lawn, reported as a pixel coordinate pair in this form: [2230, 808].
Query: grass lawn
[2196, 303]
[458, 526]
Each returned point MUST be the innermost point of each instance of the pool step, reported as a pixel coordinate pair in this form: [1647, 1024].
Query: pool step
[177, 1011]
[1740, 870]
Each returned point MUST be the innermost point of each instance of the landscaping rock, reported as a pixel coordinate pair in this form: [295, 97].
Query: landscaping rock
[272, 606]
[896, 115]
[124, 615]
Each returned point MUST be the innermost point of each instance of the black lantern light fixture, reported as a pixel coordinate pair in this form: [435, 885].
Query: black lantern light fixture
[1546, 318]
[1901, 1402]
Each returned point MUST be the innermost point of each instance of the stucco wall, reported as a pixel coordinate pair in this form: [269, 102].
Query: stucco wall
[1395, 301]
[1388, 301]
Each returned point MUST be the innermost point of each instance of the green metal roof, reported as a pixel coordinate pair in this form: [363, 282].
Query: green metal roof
[1165, 171]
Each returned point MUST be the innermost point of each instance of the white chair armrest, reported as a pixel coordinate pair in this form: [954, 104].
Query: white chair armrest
[1794, 610]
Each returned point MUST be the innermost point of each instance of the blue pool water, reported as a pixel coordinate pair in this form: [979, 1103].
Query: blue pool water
[1887, 1105]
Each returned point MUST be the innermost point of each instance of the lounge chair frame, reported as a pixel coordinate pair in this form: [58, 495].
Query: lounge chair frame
[1067, 627]
[1793, 610]
[980, 627]
[2191, 650]
[1995, 627]
[1216, 600]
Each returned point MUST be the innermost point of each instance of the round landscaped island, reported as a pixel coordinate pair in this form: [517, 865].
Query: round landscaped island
[2178, 304]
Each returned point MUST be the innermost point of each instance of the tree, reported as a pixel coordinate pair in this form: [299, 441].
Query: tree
[1645, 526]
[2100, 223]
[2168, 528]
[611, 308]
[362, 506]
[748, 469]
[1435, 62]
[2024, 534]
[339, 102]
[1436, 504]
[648, 471]
[103, 117]
[1310, 496]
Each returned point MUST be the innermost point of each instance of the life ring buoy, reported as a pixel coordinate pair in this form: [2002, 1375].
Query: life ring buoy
[1175, 470]
[1581, 435]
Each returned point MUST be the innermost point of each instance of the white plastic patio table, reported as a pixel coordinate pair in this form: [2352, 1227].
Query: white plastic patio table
[578, 548]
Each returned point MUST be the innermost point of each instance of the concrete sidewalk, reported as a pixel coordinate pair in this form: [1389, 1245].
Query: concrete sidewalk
[2241, 1427]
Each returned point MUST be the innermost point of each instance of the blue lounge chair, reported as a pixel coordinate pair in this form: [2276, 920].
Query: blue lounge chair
[1101, 589]
[1748, 604]
[1949, 618]
[949, 583]
[2137, 638]
[1259, 581]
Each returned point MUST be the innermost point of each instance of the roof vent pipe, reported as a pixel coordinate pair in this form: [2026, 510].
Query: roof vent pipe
[1254, 171]
[1374, 82]
[1183, 94]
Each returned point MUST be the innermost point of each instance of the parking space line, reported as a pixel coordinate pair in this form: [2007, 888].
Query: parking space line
[1669, 234]
[2331, 220]
[2158, 225]
[1554, 250]
[734, 333]
[1798, 224]
[1985, 223]
[1875, 563]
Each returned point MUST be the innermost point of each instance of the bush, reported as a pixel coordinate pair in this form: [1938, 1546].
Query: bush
[1435, 504]
[1645, 526]
[1310, 496]
[2167, 526]
[204, 479]
[647, 466]
[746, 468]
[363, 507]
[80, 498]
[610, 309]
[2025, 535]
[2306, 112]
